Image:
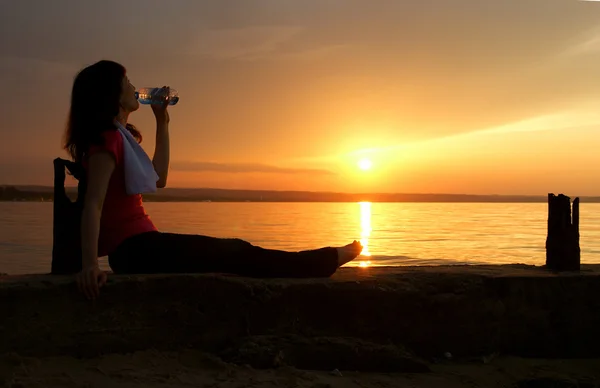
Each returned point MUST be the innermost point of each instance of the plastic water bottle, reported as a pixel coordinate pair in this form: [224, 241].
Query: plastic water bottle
[149, 96]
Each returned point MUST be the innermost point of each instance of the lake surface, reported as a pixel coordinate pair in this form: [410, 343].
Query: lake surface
[393, 233]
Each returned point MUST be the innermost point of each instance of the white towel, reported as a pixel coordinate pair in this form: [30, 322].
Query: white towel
[140, 176]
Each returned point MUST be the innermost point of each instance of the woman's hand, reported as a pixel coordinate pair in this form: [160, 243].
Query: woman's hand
[160, 110]
[90, 280]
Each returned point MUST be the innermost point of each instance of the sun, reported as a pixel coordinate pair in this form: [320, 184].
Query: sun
[365, 164]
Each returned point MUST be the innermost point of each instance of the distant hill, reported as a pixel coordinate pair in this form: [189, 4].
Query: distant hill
[45, 193]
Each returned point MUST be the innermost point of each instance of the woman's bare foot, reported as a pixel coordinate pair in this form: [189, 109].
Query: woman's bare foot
[348, 252]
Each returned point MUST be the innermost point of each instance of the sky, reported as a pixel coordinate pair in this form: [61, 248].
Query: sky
[435, 96]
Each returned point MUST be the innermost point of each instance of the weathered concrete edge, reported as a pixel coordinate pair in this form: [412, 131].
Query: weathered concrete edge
[467, 310]
[346, 274]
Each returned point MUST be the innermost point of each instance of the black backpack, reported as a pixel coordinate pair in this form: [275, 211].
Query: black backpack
[66, 228]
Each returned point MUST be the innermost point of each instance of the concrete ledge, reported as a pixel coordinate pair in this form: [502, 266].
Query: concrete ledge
[469, 311]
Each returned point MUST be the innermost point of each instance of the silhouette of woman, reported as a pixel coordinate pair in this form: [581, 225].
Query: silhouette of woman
[114, 222]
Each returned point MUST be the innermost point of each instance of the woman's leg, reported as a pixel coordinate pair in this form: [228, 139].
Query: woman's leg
[157, 252]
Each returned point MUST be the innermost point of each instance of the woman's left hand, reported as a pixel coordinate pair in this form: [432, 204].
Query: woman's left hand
[160, 110]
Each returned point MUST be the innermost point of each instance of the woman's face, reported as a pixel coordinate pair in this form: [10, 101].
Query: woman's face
[128, 100]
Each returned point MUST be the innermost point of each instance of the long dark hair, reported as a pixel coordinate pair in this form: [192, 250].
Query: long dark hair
[94, 107]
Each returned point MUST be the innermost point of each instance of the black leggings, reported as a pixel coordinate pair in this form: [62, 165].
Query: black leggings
[158, 252]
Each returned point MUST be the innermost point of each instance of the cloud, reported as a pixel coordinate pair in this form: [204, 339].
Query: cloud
[315, 52]
[261, 42]
[247, 43]
[587, 43]
[241, 168]
[561, 121]
[43, 67]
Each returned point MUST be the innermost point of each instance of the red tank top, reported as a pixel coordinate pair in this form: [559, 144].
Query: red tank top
[123, 215]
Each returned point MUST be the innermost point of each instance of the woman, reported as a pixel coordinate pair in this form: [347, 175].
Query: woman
[114, 223]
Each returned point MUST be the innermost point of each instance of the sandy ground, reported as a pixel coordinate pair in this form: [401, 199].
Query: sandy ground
[194, 369]
[440, 292]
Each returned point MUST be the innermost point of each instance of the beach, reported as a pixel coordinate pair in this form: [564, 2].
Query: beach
[475, 326]
[455, 141]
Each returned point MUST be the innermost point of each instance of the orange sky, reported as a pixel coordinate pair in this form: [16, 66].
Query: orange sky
[477, 96]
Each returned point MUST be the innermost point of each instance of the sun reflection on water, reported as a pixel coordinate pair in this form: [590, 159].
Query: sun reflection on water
[365, 231]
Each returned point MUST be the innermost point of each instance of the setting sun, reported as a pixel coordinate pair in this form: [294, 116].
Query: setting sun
[365, 164]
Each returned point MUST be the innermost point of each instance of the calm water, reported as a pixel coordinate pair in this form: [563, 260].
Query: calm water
[393, 233]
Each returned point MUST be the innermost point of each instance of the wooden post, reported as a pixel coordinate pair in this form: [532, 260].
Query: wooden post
[562, 243]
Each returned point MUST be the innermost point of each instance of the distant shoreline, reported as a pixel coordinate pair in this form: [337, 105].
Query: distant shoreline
[45, 194]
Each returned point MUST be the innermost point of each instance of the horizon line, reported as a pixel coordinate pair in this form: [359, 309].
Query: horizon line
[329, 192]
